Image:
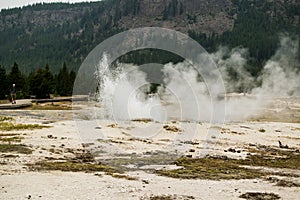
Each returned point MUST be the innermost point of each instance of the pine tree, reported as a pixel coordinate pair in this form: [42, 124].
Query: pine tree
[63, 81]
[72, 80]
[3, 83]
[48, 82]
[36, 81]
[41, 83]
[16, 77]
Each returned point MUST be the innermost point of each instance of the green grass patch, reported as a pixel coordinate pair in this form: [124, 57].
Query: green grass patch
[139, 161]
[18, 148]
[161, 197]
[259, 195]
[72, 167]
[122, 176]
[9, 126]
[273, 157]
[11, 139]
[4, 118]
[4, 101]
[166, 197]
[49, 107]
[217, 168]
[282, 182]
[8, 134]
[210, 168]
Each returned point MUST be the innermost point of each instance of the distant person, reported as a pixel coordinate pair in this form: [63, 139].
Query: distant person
[13, 94]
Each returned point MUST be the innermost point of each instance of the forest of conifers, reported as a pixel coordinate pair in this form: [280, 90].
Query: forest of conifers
[36, 56]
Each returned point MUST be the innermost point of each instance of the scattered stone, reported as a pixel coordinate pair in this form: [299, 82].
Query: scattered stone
[246, 127]
[187, 142]
[84, 145]
[171, 128]
[145, 181]
[282, 146]
[140, 164]
[51, 137]
[112, 125]
[231, 150]
[192, 150]
[262, 130]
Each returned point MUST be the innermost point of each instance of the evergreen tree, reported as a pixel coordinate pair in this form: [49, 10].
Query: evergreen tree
[63, 81]
[36, 81]
[16, 77]
[72, 80]
[3, 83]
[42, 83]
[48, 82]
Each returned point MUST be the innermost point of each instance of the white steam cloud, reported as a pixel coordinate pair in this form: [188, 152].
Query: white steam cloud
[281, 77]
[182, 95]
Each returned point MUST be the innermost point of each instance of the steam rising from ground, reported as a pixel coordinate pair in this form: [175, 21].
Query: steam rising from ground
[125, 91]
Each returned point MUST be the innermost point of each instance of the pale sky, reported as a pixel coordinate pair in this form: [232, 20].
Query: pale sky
[20, 3]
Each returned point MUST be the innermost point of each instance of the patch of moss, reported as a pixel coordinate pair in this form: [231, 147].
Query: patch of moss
[273, 157]
[71, 166]
[216, 168]
[4, 118]
[259, 195]
[8, 126]
[18, 148]
[123, 176]
[145, 120]
[162, 197]
[139, 161]
[167, 197]
[282, 182]
[52, 150]
[11, 139]
[4, 101]
[210, 168]
[49, 107]
[8, 134]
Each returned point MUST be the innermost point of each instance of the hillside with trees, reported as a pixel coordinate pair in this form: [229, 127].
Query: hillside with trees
[38, 84]
[37, 42]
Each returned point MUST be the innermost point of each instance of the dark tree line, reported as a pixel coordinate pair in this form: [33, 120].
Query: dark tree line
[255, 30]
[40, 84]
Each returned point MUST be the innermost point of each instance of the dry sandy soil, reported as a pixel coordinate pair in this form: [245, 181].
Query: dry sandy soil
[134, 153]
